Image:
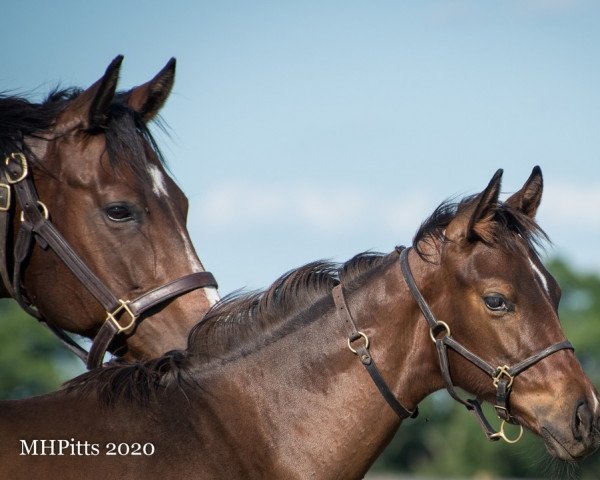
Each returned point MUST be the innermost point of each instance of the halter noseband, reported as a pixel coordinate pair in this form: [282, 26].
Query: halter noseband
[36, 225]
[502, 376]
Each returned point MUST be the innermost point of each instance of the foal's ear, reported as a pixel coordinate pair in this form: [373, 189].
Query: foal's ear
[476, 221]
[148, 99]
[528, 199]
[89, 110]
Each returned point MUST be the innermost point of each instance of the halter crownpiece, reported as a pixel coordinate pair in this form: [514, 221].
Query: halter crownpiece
[36, 225]
[502, 376]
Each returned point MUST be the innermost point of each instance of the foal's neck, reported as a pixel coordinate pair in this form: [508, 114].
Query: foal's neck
[399, 343]
[319, 411]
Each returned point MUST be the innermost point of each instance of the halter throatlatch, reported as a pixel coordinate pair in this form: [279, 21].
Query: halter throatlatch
[502, 376]
[122, 315]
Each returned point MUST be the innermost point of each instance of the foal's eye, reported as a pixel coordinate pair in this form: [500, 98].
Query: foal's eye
[119, 213]
[496, 303]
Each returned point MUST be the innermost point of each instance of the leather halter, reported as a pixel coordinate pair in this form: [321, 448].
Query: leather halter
[36, 225]
[362, 351]
[502, 376]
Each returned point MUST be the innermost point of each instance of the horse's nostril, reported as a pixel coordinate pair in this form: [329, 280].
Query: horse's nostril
[582, 421]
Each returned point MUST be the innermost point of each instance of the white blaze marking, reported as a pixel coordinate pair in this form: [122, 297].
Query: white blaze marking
[160, 189]
[189, 252]
[212, 295]
[595, 407]
[540, 276]
[158, 181]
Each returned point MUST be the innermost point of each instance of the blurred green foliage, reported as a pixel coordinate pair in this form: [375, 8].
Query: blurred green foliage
[32, 360]
[446, 441]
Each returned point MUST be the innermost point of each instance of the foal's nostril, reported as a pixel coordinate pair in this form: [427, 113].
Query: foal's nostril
[582, 421]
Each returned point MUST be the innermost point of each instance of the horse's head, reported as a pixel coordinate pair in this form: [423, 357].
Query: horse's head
[101, 177]
[502, 304]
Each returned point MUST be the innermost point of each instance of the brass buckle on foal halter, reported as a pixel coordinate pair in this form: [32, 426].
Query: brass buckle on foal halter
[445, 327]
[360, 334]
[123, 307]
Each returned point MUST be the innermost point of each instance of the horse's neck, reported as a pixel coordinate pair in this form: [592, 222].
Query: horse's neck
[307, 400]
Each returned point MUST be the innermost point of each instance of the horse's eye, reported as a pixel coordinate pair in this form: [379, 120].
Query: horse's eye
[496, 303]
[119, 213]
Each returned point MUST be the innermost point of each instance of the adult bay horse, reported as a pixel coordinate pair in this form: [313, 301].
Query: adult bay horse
[270, 387]
[92, 229]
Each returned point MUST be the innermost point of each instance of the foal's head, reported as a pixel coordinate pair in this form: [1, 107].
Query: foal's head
[101, 176]
[502, 304]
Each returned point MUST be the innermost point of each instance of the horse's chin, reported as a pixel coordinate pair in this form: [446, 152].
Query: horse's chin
[567, 449]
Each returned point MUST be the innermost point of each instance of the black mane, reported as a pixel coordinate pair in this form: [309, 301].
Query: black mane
[237, 323]
[20, 117]
[509, 225]
[240, 320]
[126, 132]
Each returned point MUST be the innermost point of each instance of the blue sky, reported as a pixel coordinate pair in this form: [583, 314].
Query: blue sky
[319, 129]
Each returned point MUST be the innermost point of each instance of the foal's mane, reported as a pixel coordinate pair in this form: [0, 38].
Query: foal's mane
[509, 223]
[238, 323]
[125, 130]
[242, 319]
[242, 322]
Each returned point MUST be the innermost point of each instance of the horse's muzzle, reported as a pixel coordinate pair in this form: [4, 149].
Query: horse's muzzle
[580, 438]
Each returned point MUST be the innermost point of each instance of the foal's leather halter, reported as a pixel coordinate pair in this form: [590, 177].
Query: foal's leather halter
[502, 376]
[362, 351]
[36, 225]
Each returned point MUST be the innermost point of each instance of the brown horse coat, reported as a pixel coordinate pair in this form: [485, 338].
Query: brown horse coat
[269, 389]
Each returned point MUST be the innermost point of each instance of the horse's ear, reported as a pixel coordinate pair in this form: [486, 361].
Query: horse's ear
[148, 99]
[527, 200]
[475, 220]
[480, 223]
[89, 110]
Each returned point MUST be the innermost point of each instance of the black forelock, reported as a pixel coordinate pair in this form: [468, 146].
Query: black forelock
[509, 225]
[126, 132]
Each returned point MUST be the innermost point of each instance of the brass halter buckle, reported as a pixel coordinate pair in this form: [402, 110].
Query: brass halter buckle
[123, 307]
[43, 208]
[19, 158]
[500, 372]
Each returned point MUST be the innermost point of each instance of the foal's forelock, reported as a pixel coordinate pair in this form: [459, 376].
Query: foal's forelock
[509, 227]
